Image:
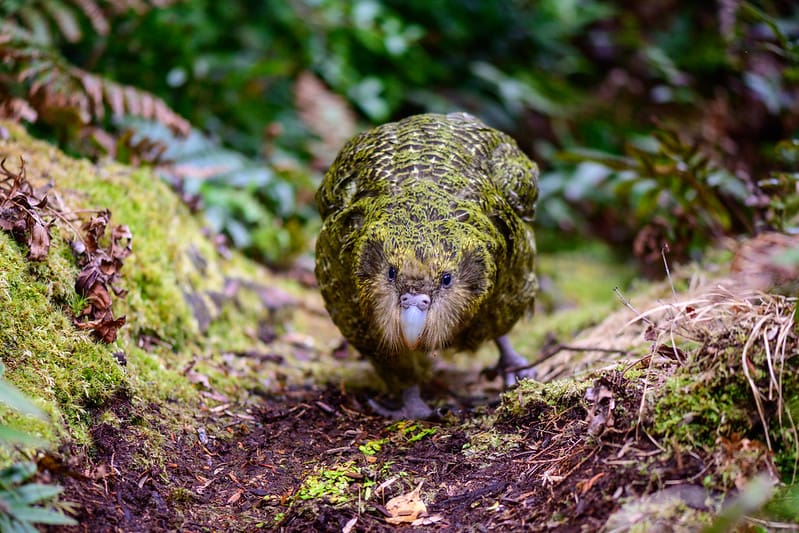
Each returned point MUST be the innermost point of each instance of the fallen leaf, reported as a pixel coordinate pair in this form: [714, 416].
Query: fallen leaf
[406, 508]
[350, 525]
[586, 485]
[121, 242]
[87, 278]
[38, 241]
[100, 269]
[95, 229]
[106, 331]
[428, 520]
[20, 212]
[98, 296]
[235, 496]
[600, 412]
[199, 379]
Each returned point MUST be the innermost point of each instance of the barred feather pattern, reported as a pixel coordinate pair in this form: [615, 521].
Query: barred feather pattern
[427, 196]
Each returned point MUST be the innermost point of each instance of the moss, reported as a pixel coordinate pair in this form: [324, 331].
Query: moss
[159, 269]
[410, 431]
[710, 398]
[332, 484]
[490, 443]
[372, 447]
[71, 376]
[561, 394]
[657, 513]
[183, 495]
[585, 276]
[696, 412]
[46, 356]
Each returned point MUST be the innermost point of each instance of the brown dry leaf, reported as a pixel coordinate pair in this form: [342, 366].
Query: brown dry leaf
[95, 229]
[108, 266]
[587, 484]
[38, 241]
[121, 242]
[87, 278]
[20, 208]
[198, 379]
[236, 496]
[101, 266]
[89, 324]
[350, 525]
[107, 330]
[17, 109]
[600, 413]
[20, 214]
[99, 298]
[428, 520]
[8, 219]
[406, 508]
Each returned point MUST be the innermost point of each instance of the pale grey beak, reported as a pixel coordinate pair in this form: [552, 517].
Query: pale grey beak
[413, 317]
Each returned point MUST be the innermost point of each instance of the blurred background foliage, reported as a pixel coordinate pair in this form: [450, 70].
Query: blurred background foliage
[661, 122]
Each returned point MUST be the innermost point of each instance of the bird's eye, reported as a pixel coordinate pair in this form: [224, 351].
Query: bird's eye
[392, 273]
[446, 279]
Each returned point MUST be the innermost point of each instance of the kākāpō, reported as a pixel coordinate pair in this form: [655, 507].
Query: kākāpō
[427, 246]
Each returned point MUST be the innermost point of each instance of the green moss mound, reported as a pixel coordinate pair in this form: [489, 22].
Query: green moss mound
[171, 279]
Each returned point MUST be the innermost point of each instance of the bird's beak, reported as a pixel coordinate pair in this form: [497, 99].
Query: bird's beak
[413, 316]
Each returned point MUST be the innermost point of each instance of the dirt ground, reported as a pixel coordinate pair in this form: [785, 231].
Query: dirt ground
[245, 469]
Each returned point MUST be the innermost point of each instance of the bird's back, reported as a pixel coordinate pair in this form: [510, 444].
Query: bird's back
[457, 153]
[409, 174]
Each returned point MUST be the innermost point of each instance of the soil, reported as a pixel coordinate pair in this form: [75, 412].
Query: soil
[241, 468]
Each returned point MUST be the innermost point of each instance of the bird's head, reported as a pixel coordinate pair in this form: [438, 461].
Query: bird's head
[423, 282]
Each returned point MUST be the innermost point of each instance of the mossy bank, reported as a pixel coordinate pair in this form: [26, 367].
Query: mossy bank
[228, 400]
[180, 310]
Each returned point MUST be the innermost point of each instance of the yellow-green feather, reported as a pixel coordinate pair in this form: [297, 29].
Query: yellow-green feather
[438, 188]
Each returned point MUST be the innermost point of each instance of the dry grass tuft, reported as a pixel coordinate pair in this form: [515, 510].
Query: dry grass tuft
[735, 331]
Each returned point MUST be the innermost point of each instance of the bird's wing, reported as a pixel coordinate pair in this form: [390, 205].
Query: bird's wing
[340, 184]
[516, 175]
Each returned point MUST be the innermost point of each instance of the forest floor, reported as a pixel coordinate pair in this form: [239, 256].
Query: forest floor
[248, 478]
[226, 400]
[306, 454]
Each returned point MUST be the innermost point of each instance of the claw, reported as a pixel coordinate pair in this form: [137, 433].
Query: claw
[509, 360]
[413, 407]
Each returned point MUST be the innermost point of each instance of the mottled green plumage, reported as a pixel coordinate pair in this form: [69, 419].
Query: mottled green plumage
[428, 196]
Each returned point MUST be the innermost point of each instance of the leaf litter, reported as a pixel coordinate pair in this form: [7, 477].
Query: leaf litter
[27, 214]
[100, 267]
[20, 212]
[571, 460]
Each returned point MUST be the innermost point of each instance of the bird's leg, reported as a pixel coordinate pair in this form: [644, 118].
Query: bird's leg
[413, 407]
[509, 361]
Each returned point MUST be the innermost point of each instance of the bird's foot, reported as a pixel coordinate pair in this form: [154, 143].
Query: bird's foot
[413, 407]
[511, 365]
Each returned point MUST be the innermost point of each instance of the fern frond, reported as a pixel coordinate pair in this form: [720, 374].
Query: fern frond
[17, 109]
[65, 19]
[46, 21]
[137, 6]
[96, 17]
[62, 94]
[35, 23]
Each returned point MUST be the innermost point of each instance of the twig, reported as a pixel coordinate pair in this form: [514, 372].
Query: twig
[629, 306]
[551, 352]
[663, 252]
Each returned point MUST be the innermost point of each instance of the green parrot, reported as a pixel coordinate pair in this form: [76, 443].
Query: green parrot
[426, 246]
